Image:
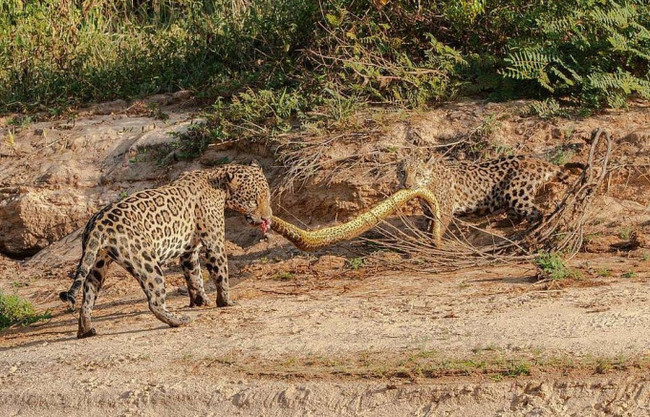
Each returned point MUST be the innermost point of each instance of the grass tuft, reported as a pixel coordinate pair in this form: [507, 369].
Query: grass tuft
[354, 263]
[16, 311]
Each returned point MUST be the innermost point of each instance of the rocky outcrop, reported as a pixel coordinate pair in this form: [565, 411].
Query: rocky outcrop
[54, 174]
[31, 219]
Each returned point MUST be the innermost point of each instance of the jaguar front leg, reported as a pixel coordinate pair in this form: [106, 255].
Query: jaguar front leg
[217, 264]
[192, 273]
[437, 222]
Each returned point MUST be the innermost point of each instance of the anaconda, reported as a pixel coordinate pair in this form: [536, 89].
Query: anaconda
[310, 240]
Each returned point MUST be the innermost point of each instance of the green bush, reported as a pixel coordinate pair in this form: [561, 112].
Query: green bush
[553, 266]
[334, 55]
[15, 310]
[61, 54]
[593, 52]
[369, 54]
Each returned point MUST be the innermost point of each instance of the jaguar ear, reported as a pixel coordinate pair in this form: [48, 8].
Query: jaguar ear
[231, 180]
[255, 163]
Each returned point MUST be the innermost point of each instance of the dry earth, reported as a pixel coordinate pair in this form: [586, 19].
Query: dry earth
[313, 335]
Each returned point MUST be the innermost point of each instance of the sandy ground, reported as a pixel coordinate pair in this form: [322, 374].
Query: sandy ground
[312, 336]
[346, 344]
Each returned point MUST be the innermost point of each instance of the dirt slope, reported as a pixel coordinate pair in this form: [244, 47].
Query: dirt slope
[323, 334]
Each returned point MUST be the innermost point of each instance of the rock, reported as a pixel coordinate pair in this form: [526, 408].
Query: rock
[557, 133]
[58, 175]
[182, 95]
[77, 143]
[328, 262]
[639, 138]
[611, 211]
[31, 219]
[111, 107]
[639, 240]
[160, 99]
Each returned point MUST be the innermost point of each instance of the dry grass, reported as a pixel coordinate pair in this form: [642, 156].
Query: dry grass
[414, 364]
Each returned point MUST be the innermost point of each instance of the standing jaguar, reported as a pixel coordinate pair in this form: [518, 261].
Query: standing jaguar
[509, 182]
[143, 231]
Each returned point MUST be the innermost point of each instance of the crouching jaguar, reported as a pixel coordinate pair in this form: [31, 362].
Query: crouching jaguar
[509, 182]
[141, 232]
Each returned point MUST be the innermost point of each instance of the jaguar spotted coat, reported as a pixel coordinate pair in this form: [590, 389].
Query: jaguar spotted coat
[509, 182]
[141, 232]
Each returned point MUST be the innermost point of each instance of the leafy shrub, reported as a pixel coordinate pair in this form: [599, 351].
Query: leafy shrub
[374, 57]
[15, 310]
[282, 59]
[553, 266]
[54, 53]
[263, 111]
[545, 109]
[594, 52]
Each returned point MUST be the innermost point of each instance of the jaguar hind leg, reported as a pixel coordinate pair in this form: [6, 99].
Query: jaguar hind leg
[523, 207]
[519, 198]
[153, 284]
[91, 288]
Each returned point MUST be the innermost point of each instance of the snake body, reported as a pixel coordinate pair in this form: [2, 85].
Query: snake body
[310, 240]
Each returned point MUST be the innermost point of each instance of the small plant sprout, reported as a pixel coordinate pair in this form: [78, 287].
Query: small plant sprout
[518, 368]
[604, 272]
[10, 139]
[561, 157]
[282, 276]
[354, 263]
[624, 232]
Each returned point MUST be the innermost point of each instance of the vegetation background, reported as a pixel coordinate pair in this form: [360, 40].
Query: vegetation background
[282, 59]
